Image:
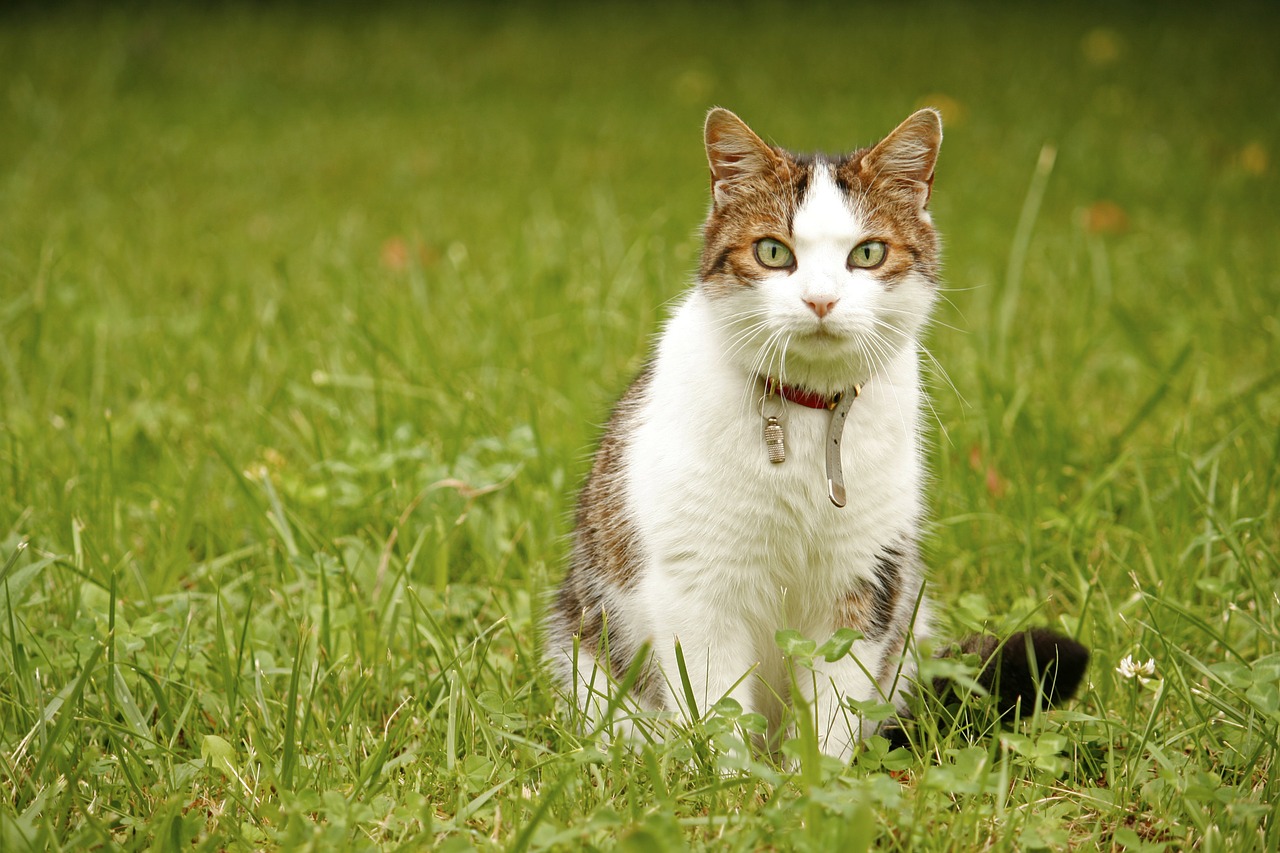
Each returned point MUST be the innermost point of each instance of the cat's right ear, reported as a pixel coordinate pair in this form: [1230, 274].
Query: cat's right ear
[736, 154]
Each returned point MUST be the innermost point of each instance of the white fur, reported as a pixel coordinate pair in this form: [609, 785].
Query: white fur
[736, 548]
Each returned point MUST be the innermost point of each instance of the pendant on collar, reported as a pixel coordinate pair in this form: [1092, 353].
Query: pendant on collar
[774, 440]
[838, 405]
[835, 429]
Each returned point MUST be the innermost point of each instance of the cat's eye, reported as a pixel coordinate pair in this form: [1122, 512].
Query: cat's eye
[774, 254]
[868, 255]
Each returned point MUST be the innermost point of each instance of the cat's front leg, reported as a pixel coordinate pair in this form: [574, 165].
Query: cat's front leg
[705, 654]
[825, 689]
[714, 668]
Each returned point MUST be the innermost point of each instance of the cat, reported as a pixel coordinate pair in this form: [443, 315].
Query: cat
[765, 471]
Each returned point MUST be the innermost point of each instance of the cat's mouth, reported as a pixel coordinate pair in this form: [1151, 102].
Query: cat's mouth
[829, 331]
[825, 332]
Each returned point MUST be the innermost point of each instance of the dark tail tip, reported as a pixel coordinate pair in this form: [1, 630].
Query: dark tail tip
[1029, 665]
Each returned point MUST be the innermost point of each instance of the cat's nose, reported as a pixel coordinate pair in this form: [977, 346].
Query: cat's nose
[821, 305]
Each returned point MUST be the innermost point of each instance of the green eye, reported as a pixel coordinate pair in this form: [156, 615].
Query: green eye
[773, 254]
[868, 255]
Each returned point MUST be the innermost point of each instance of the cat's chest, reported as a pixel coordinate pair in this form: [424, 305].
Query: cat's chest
[706, 494]
[717, 452]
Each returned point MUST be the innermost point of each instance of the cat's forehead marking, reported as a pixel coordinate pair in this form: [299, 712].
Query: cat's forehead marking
[825, 214]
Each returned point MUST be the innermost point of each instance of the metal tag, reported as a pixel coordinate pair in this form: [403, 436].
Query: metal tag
[835, 430]
[774, 440]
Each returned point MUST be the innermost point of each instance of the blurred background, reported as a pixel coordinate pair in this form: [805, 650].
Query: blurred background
[269, 227]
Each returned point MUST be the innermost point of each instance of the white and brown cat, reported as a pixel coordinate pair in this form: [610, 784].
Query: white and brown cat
[765, 470]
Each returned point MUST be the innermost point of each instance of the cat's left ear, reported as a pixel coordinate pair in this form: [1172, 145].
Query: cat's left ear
[906, 156]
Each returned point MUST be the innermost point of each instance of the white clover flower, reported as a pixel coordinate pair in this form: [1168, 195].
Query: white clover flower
[1130, 668]
[256, 471]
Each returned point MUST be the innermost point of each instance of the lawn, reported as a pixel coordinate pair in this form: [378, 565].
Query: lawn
[309, 318]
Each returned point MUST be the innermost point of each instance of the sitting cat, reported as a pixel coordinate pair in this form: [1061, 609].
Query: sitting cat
[765, 469]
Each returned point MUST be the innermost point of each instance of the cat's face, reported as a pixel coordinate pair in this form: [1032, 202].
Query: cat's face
[821, 269]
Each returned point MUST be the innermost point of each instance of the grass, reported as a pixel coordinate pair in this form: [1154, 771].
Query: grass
[308, 319]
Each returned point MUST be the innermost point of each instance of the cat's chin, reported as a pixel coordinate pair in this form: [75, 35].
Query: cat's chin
[831, 359]
[827, 377]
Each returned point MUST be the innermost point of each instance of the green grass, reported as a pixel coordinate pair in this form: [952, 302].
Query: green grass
[308, 319]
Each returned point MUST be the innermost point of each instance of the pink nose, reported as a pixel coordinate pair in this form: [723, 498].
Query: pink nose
[821, 305]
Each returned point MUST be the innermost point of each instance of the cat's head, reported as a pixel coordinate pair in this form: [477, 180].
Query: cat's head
[821, 269]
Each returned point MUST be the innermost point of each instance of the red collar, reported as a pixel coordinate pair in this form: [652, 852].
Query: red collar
[802, 396]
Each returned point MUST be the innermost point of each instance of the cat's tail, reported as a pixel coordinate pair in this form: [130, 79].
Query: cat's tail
[1036, 664]
[1029, 668]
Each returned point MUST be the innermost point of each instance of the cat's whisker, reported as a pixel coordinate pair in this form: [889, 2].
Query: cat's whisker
[742, 346]
[877, 355]
[749, 311]
[782, 368]
[739, 320]
[942, 294]
[744, 336]
[894, 342]
[880, 323]
[780, 354]
[749, 338]
[758, 362]
[881, 354]
[916, 315]
[774, 351]
[942, 428]
[736, 320]
[941, 371]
